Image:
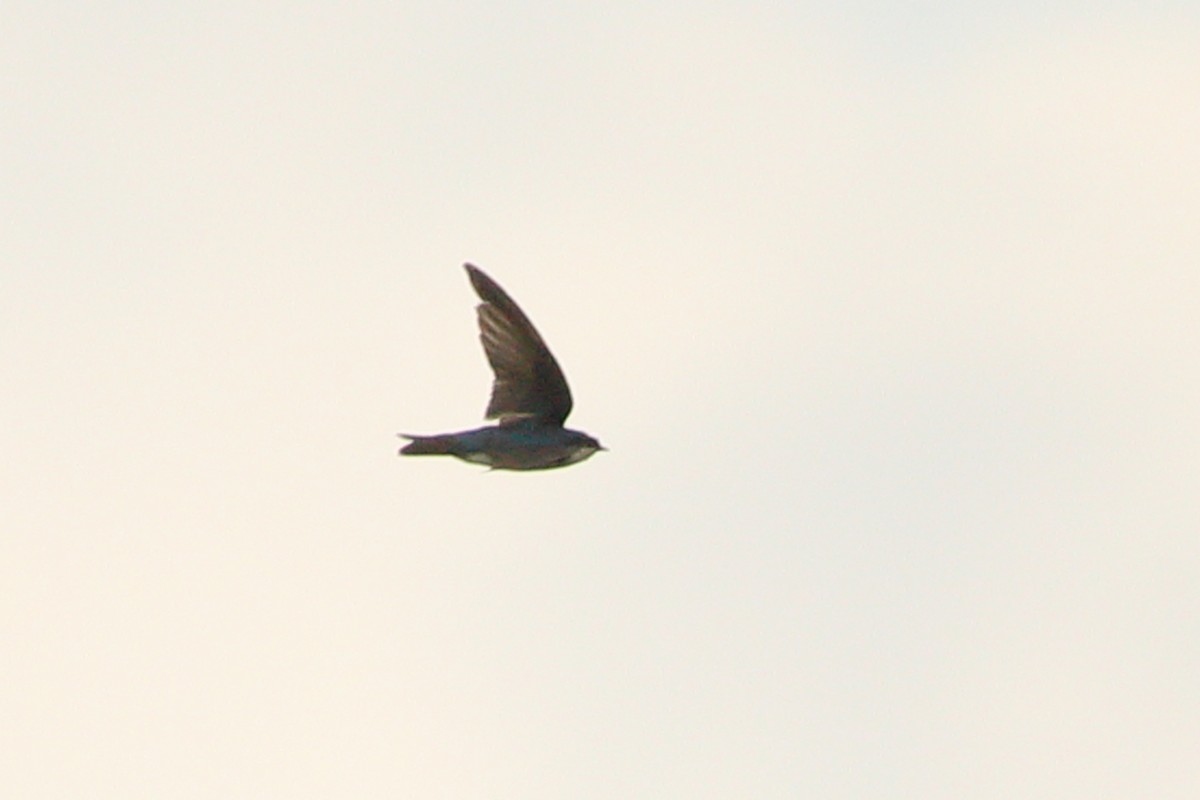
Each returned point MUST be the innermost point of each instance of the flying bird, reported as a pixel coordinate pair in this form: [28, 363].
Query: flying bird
[530, 397]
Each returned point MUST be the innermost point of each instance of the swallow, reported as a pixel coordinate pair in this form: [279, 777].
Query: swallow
[530, 398]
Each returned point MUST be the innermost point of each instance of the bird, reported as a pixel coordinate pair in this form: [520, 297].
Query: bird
[530, 397]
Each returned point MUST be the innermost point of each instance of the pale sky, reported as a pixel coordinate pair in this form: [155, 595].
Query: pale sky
[887, 312]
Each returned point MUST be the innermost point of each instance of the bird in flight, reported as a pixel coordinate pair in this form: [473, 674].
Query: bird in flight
[530, 397]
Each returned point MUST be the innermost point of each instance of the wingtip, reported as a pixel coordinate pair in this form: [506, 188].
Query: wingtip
[488, 290]
[478, 277]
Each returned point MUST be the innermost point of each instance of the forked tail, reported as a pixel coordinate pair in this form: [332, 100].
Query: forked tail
[427, 445]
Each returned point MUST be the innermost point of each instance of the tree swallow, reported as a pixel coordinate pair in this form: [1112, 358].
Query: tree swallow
[530, 397]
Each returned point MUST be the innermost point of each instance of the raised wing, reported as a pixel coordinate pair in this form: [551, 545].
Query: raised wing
[529, 382]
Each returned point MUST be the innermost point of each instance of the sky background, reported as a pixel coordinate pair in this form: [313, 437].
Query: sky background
[889, 314]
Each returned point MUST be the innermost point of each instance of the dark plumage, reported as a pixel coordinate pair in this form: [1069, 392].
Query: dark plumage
[530, 396]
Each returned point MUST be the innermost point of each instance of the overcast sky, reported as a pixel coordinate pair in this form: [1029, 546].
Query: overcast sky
[889, 314]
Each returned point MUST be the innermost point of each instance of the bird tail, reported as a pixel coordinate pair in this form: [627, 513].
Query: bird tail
[427, 445]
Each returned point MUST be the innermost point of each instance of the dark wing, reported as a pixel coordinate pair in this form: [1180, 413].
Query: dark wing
[529, 382]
